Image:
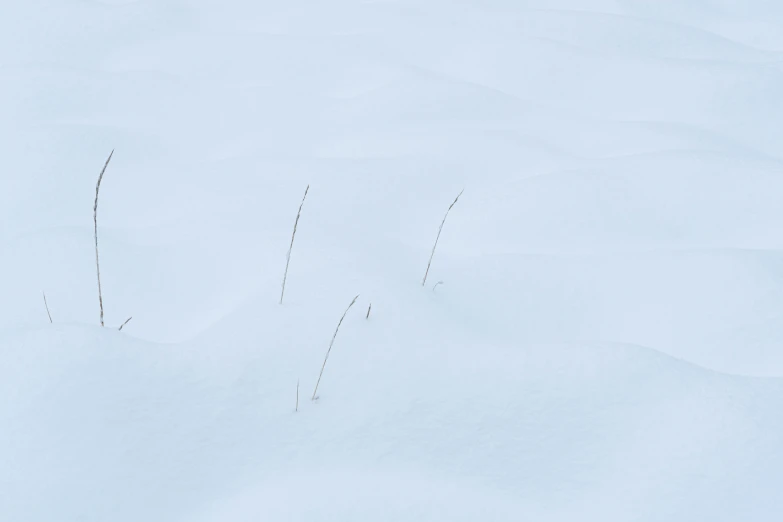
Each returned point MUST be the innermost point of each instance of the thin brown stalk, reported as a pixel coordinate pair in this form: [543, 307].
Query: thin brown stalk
[330, 347]
[424, 281]
[95, 219]
[291, 247]
[126, 322]
[368, 311]
[47, 308]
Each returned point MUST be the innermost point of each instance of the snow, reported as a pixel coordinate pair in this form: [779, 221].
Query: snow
[605, 345]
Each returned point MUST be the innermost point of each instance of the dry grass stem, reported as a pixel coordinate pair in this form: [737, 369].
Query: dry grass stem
[291, 247]
[95, 219]
[330, 347]
[368, 311]
[424, 281]
[126, 322]
[47, 308]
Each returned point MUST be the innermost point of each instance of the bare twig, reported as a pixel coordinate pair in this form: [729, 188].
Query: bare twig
[297, 395]
[436, 285]
[330, 346]
[291, 247]
[47, 308]
[424, 281]
[95, 219]
[126, 322]
[368, 311]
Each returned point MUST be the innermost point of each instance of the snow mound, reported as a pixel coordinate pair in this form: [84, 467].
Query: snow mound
[105, 427]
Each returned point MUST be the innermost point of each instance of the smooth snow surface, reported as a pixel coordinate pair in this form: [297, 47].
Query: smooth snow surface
[607, 341]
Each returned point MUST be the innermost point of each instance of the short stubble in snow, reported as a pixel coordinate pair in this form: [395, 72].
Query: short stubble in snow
[123, 324]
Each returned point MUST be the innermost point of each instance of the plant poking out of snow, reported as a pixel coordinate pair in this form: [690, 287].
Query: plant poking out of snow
[291, 247]
[330, 347]
[47, 308]
[424, 281]
[95, 220]
[123, 324]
